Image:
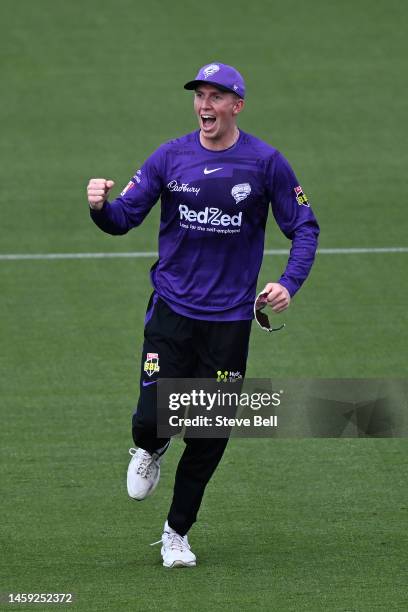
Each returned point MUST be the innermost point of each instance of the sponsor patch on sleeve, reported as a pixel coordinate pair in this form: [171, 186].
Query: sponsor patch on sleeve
[301, 197]
[129, 186]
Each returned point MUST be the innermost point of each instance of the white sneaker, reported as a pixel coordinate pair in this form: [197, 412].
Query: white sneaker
[143, 473]
[175, 550]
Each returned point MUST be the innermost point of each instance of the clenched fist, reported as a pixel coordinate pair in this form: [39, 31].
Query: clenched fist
[98, 189]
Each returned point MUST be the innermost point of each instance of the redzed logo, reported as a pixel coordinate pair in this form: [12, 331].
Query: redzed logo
[210, 216]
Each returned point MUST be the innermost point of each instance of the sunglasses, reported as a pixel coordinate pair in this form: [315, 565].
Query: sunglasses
[261, 317]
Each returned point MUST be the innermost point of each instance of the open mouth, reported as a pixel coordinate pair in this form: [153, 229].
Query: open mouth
[208, 121]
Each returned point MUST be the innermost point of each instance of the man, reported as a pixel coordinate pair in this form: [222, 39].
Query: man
[215, 186]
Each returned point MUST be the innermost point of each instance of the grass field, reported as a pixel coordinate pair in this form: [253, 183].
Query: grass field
[90, 89]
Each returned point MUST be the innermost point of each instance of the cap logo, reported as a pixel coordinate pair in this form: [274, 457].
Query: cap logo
[235, 87]
[210, 70]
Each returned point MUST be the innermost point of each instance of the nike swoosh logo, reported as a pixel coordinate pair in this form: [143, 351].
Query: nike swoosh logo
[149, 382]
[210, 171]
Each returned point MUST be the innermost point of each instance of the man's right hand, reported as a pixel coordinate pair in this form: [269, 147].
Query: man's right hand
[98, 190]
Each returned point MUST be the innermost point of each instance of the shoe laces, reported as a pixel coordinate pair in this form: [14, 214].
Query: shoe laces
[144, 469]
[173, 540]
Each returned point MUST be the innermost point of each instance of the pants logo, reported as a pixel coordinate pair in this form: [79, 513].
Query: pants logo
[227, 376]
[151, 365]
[222, 376]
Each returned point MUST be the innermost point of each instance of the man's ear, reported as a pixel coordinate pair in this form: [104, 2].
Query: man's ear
[238, 106]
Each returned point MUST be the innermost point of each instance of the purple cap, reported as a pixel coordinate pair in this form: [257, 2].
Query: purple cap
[222, 76]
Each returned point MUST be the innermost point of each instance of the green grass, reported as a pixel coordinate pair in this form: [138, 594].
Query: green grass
[91, 88]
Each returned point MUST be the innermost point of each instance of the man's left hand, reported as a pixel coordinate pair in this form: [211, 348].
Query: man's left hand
[278, 297]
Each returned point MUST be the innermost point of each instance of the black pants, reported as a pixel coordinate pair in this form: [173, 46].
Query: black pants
[180, 347]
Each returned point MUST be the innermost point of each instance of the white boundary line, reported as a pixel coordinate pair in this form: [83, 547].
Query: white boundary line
[138, 254]
[19, 256]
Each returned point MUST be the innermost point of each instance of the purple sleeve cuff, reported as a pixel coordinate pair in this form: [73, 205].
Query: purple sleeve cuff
[290, 286]
[111, 219]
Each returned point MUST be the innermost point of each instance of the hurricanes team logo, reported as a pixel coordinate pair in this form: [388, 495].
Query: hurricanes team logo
[210, 70]
[240, 192]
[151, 365]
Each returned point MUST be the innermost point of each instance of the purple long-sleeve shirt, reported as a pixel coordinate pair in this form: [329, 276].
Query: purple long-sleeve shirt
[214, 207]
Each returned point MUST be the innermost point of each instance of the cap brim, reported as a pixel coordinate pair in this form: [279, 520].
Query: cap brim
[195, 84]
